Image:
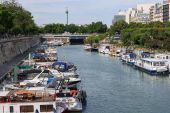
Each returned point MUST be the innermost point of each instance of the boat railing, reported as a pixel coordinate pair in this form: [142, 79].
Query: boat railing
[27, 99]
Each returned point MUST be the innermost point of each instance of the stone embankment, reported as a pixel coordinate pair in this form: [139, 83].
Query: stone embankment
[11, 48]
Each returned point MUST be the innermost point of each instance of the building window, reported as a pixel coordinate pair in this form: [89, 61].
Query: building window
[11, 109]
[27, 108]
[46, 108]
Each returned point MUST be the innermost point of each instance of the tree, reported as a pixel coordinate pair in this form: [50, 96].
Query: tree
[72, 28]
[117, 27]
[82, 29]
[54, 28]
[6, 20]
[97, 27]
[14, 19]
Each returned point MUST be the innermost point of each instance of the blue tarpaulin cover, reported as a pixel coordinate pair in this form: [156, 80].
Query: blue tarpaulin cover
[39, 55]
[132, 55]
[65, 64]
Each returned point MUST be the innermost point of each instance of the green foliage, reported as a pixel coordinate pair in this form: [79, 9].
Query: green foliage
[82, 29]
[54, 28]
[72, 28]
[97, 27]
[154, 35]
[156, 38]
[95, 38]
[117, 27]
[16, 20]
[6, 19]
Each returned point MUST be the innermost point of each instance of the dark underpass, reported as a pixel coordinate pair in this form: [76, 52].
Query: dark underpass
[76, 41]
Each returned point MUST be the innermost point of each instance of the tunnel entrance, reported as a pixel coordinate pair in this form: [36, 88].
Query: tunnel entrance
[76, 41]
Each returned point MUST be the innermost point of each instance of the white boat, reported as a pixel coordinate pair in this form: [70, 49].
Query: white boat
[152, 66]
[71, 101]
[36, 78]
[88, 47]
[29, 78]
[129, 58]
[55, 43]
[164, 57]
[105, 49]
[23, 101]
[60, 74]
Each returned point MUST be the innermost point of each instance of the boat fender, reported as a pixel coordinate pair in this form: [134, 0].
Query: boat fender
[73, 92]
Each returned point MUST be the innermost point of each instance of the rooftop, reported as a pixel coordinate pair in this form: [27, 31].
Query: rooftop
[153, 60]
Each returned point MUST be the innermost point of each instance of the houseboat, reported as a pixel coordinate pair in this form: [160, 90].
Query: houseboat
[152, 66]
[164, 57]
[24, 101]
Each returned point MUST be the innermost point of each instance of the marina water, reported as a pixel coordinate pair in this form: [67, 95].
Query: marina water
[113, 87]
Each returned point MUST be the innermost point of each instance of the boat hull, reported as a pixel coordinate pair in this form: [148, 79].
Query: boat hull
[152, 72]
[127, 62]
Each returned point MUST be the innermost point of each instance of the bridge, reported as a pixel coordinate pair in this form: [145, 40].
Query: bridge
[67, 38]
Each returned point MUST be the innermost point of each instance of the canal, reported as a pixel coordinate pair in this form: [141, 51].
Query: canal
[113, 87]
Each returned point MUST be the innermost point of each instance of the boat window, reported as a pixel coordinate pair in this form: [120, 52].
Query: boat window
[44, 75]
[63, 95]
[46, 108]
[4, 99]
[59, 67]
[70, 66]
[27, 76]
[156, 63]
[11, 109]
[28, 108]
[162, 63]
[167, 57]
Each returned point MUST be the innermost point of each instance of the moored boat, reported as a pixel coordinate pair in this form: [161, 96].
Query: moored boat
[24, 101]
[164, 57]
[104, 49]
[129, 58]
[152, 66]
[87, 47]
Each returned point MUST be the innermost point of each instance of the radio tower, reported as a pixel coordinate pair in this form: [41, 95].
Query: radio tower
[67, 12]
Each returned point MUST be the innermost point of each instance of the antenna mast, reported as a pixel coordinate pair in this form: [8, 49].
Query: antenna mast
[67, 12]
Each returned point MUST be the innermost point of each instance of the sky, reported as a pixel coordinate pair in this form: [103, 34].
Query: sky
[80, 11]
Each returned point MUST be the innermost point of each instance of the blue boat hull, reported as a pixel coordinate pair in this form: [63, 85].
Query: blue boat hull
[152, 72]
[129, 63]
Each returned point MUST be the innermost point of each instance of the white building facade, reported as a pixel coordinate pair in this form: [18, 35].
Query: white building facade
[156, 12]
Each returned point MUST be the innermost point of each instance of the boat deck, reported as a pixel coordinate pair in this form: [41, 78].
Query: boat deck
[26, 96]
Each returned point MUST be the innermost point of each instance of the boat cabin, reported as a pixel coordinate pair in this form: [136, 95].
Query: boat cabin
[64, 66]
[44, 57]
[163, 56]
[153, 62]
[23, 101]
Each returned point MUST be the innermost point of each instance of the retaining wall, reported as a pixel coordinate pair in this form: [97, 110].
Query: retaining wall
[13, 47]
